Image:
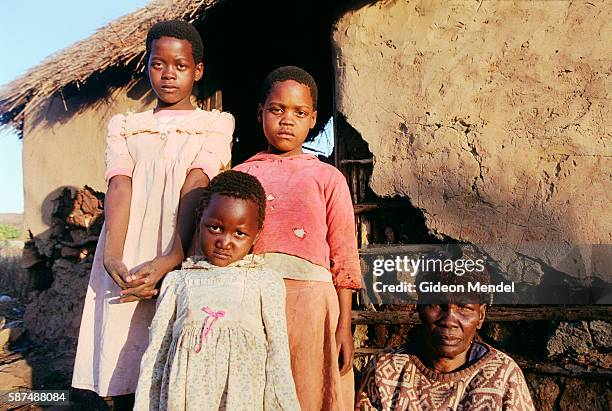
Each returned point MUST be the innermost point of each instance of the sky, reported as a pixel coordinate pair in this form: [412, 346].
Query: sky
[32, 31]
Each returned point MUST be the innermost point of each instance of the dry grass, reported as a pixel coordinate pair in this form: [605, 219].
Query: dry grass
[12, 219]
[13, 279]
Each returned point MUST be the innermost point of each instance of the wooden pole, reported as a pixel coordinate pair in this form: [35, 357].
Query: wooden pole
[497, 314]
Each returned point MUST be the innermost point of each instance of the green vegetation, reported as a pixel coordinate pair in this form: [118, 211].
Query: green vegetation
[9, 232]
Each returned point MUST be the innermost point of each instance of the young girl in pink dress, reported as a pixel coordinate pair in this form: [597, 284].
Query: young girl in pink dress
[158, 162]
[309, 237]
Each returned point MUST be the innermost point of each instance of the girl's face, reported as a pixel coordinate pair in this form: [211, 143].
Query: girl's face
[287, 116]
[172, 72]
[228, 229]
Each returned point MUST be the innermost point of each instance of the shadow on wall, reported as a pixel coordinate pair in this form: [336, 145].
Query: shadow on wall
[96, 93]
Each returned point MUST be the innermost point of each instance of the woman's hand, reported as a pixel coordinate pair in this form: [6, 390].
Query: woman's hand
[117, 270]
[345, 347]
[141, 284]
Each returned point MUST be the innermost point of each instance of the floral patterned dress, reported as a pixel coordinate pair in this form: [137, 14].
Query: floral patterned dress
[218, 341]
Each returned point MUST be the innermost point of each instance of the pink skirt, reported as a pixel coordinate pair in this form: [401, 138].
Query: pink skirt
[312, 318]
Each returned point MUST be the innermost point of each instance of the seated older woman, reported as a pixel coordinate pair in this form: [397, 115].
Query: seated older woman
[444, 368]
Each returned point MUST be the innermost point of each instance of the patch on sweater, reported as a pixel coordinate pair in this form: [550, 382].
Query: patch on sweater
[270, 197]
[299, 232]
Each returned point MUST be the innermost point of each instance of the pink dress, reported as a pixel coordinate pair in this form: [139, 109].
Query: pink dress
[157, 151]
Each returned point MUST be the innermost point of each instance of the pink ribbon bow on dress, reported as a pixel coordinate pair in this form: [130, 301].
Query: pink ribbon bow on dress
[207, 325]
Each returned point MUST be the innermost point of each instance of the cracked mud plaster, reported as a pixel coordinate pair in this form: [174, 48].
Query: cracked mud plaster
[490, 117]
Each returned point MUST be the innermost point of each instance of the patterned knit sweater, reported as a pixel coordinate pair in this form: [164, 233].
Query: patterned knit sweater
[400, 381]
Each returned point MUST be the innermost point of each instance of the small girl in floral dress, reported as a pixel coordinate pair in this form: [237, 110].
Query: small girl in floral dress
[218, 340]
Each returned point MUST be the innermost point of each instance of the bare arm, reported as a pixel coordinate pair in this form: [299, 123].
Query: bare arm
[117, 215]
[344, 335]
[191, 192]
[142, 283]
[345, 267]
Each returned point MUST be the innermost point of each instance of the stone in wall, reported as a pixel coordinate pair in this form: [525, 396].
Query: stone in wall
[601, 331]
[59, 263]
[544, 392]
[585, 395]
[493, 118]
[55, 313]
[570, 339]
[581, 343]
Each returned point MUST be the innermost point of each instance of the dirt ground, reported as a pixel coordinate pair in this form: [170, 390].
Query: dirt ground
[23, 363]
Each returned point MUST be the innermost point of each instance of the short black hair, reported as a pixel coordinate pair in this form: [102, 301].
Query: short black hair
[290, 73]
[178, 29]
[236, 184]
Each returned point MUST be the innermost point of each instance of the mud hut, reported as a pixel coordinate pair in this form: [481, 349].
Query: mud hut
[474, 122]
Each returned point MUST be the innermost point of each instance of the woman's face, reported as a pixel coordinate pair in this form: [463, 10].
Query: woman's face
[450, 328]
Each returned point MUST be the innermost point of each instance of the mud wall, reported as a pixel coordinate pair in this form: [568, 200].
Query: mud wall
[492, 117]
[63, 146]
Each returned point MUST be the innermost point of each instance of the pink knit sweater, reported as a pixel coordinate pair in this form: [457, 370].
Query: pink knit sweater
[309, 214]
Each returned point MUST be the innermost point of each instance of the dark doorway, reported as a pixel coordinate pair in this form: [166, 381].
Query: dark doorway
[245, 40]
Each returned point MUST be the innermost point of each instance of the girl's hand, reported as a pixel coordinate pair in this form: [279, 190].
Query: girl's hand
[142, 292]
[117, 270]
[345, 348]
[141, 284]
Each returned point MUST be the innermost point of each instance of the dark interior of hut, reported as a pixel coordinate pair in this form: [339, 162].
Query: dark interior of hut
[243, 41]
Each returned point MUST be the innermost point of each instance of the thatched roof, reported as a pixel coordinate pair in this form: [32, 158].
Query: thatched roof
[116, 44]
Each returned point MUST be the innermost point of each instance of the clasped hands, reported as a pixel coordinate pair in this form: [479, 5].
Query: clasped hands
[140, 284]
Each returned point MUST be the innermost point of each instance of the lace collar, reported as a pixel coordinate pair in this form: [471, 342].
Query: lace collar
[196, 122]
[249, 261]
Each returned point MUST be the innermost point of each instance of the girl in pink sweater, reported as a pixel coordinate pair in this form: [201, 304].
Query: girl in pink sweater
[309, 237]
